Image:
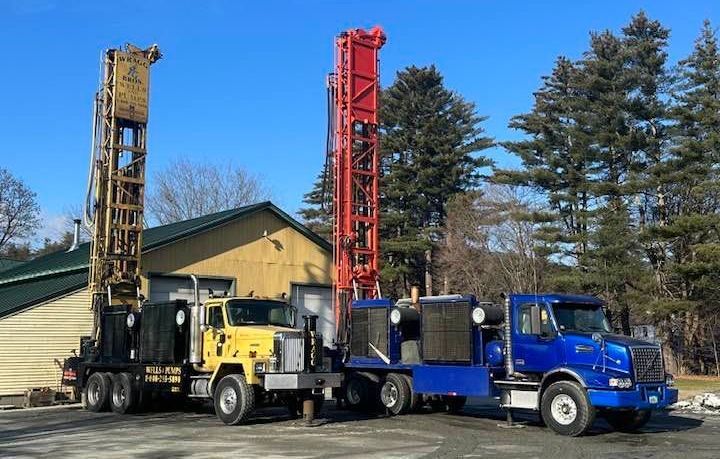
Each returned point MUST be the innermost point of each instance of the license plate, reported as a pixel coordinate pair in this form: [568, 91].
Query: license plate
[653, 399]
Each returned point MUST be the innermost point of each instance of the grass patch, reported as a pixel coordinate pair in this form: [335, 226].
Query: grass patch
[693, 385]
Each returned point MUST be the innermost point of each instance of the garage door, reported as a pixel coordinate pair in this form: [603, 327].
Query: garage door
[169, 288]
[318, 301]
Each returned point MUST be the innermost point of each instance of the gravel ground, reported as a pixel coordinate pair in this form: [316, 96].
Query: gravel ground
[72, 432]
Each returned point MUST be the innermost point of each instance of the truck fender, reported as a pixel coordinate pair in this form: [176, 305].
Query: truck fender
[371, 376]
[560, 374]
[223, 370]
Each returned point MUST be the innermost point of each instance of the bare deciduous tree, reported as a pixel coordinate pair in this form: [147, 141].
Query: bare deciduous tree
[490, 244]
[187, 189]
[18, 209]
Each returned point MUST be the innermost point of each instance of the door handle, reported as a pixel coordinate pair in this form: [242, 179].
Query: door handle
[584, 348]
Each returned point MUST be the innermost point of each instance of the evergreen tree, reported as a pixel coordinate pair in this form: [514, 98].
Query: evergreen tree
[317, 215]
[687, 271]
[430, 141]
[556, 159]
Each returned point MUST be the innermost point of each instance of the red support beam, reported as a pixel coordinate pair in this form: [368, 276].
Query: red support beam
[356, 161]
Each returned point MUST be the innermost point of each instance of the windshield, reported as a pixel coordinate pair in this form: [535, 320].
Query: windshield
[581, 317]
[258, 312]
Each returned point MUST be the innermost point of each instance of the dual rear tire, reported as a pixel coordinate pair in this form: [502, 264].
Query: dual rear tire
[111, 391]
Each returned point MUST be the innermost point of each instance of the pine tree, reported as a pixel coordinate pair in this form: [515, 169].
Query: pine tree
[430, 141]
[687, 280]
[556, 159]
[317, 215]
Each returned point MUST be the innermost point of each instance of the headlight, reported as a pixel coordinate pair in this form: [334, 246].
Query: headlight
[478, 316]
[669, 380]
[259, 367]
[620, 383]
[395, 316]
[130, 321]
[180, 317]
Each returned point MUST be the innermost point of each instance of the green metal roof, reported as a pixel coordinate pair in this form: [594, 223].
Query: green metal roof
[7, 263]
[58, 273]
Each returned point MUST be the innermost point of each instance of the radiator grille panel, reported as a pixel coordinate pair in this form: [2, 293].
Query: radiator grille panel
[114, 333]
[369, 325]
[648, 364]
[447, 332]
[290, 351]
[358, 340]
[377, 331]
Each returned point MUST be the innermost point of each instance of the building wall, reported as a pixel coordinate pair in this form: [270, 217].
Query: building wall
[264, 265]
[34, 343]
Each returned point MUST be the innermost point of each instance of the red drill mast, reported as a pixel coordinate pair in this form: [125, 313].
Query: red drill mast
[354, 91]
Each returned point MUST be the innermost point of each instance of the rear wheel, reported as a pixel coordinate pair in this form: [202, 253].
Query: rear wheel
[234, 399]
[395, 394]
[97, 392]
[566, 409]
[455, 403]
[358, 393]
[628, 421]
[415, 398]
[124, 396]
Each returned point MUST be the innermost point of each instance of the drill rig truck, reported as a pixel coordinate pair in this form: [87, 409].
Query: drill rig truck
[550, 353]
[238, 352]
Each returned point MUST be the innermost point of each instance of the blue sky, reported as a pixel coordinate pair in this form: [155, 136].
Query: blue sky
[244, 81]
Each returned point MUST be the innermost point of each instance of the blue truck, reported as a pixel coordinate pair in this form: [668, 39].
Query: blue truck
[550, 353]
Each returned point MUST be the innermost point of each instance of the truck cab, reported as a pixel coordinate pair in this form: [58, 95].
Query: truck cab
[252, 352]
[563, 348]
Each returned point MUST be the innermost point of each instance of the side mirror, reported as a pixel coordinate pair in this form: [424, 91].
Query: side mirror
[293, 316]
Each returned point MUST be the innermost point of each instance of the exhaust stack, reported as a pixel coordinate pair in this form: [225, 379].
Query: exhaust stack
[76, 235]
[509, 364]
[196, 321]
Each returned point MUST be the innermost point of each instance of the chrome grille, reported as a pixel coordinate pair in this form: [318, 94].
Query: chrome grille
[289, 352]
[648, 364]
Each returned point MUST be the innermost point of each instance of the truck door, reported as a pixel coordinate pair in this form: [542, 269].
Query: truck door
[536, 345]
[214, 337]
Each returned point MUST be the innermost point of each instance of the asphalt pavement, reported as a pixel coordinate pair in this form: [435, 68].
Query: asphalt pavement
[477, 432]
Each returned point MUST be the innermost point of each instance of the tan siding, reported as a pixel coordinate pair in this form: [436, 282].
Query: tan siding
[34, 343]
[238, 250]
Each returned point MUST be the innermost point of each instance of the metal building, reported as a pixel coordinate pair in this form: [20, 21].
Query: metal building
[256, 250]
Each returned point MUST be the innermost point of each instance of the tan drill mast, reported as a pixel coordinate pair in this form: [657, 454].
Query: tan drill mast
[115, 210]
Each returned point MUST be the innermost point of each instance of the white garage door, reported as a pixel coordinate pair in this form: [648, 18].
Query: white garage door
[318, 301]
[169, 288]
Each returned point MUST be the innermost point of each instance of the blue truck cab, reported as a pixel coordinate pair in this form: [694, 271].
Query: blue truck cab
[551, 353]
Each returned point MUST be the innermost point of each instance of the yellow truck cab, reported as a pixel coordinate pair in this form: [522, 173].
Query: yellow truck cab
[253, 342]
[240, 352]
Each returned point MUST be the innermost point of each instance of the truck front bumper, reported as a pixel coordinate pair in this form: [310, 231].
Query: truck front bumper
[294, 381]
[643, 397]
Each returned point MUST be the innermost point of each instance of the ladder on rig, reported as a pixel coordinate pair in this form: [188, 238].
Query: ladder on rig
[116, 190]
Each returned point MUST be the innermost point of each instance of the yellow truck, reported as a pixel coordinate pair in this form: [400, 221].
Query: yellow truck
[239, 352]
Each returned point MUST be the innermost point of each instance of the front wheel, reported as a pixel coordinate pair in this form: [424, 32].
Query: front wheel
[234, 399]
[628, 421]
[566, 409]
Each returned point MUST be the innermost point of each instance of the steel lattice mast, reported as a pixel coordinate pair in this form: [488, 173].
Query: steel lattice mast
[115, 210]
[355, 167]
